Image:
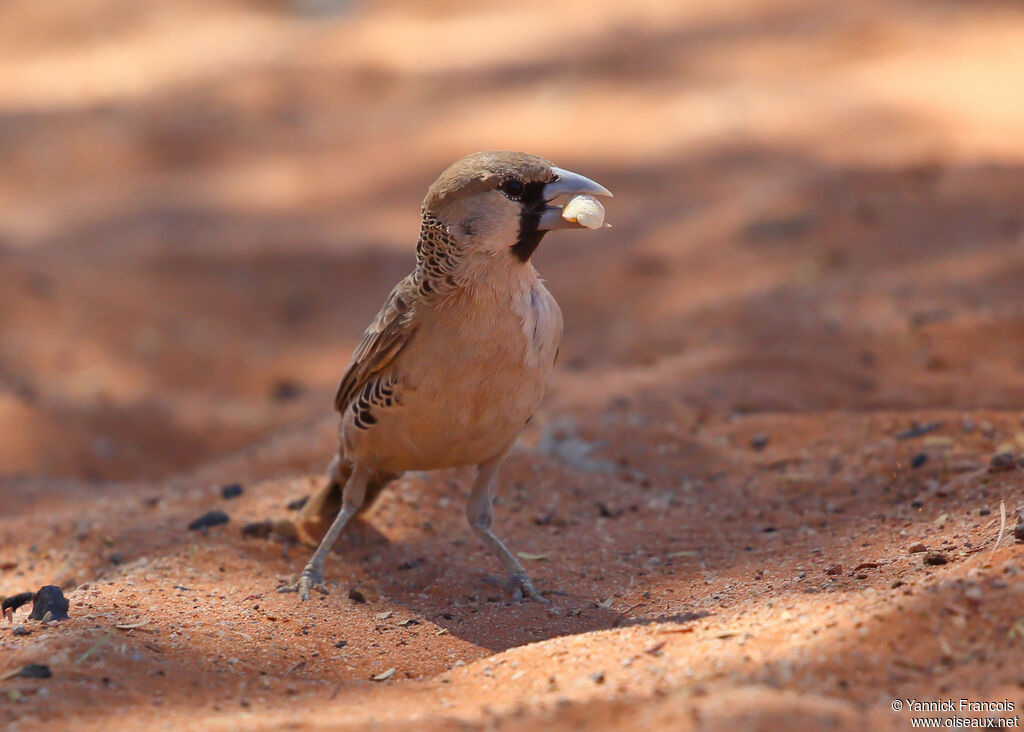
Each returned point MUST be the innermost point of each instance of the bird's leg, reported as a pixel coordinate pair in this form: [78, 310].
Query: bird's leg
[316, 516]
[480, 512]
[352, 499]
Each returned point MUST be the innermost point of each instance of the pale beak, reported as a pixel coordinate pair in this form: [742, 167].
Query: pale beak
[567, 183]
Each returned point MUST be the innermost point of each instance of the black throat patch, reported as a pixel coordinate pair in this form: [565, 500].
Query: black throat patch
[533, 205]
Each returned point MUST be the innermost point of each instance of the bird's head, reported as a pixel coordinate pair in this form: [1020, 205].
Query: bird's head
[498, 203]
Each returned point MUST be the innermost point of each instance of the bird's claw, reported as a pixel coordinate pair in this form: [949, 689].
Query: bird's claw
[520, 586]
[308, 580]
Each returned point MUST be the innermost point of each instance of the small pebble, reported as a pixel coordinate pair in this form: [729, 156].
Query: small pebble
[1001, 461]
[834, 569]
[258, 529]
[759, 441]
[919, 430]
[934, 559]
[35, 671]
[1018, 532]
[297, 504]
[356, 596]
[597, 678]
[213, 518]
[20, 630]
[916, 548]
[544, 517]
[232, 490]
[285, 390]
[341, 644]
[918, 460]
[50, 599]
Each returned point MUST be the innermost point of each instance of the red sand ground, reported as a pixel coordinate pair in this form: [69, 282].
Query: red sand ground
[818, 243]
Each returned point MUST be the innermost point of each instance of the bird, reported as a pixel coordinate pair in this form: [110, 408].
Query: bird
[456, 361]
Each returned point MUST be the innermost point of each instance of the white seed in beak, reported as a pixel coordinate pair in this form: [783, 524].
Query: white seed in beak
[584, 210]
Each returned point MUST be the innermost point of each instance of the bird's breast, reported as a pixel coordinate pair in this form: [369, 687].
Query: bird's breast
[469, 380]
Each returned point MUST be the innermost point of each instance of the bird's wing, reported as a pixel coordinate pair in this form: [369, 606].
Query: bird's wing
[390, 331]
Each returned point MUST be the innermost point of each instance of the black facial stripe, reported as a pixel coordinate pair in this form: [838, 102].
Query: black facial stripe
[533, 204]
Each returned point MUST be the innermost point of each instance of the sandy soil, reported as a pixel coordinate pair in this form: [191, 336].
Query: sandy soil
[818, 246]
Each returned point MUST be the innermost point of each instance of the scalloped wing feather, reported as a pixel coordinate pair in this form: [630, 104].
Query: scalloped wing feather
[389, 333]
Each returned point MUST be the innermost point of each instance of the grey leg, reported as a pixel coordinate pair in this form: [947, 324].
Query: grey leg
[480, 512]
[351, 501]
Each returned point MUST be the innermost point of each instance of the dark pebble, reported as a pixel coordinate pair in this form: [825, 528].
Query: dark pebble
[15, 601]
[341, 644]
[297, 504]
[20, 630]
[51, 600]
[597, 678]
[116, 559]
[604, 511]
[285, 390]
[232, 490]
[410, 564]
[919, 430]
[918, 460]
[834, 570]
[1001, 461]
[35, 671]
[258, 529]
[356, 596]
[934, 559]
[1018, 532]
[759, 441]
[788, 227]
[213, 518]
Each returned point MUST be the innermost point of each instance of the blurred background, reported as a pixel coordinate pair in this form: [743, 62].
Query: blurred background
[202, 204]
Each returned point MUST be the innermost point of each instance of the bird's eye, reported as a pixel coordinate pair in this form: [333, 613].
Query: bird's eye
[513, 188]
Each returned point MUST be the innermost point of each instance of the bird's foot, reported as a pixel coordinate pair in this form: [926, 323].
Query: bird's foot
[310, 579]
[519, 584]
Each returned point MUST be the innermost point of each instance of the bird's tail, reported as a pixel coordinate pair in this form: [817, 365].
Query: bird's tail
[322, 507]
